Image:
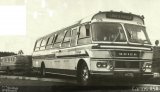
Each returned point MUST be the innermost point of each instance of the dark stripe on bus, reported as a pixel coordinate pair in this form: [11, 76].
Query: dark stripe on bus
[59, 71]
[51, 56]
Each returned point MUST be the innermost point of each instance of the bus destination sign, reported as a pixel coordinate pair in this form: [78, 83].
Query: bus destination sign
[117, 15]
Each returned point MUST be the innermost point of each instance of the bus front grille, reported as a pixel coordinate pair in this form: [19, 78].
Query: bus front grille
[127, 64]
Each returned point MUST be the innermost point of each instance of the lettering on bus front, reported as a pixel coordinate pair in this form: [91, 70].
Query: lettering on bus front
[127, 54]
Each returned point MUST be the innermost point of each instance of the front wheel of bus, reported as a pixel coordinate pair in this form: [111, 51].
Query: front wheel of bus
[83, 75]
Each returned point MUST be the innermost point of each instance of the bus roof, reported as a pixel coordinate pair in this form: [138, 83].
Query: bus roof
[113, 15]
[105, 14]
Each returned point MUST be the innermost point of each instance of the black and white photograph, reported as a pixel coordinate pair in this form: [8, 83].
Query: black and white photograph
[79, 45]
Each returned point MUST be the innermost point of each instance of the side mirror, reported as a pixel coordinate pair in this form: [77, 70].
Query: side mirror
[78, 33]
[157, 42]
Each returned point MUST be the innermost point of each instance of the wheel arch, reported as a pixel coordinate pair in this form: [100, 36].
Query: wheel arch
[42, 64]
[81, 79]
[82, 61]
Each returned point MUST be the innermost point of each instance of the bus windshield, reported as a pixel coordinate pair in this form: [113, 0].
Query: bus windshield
[136, 34]
[110, 32]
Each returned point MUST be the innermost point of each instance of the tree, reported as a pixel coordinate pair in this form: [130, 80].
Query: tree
[2, 54]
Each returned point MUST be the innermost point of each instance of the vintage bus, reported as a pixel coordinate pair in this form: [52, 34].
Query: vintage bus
[16, 63]
[107, 43]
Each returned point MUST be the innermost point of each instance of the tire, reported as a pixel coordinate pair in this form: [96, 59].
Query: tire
[27, 72]
[8, 71]
[42, 70]
[83, 75]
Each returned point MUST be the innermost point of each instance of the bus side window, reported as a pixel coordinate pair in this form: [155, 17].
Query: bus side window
[58, 39]
[50, 42]
[87, 30]
[66, 41]
[84, 35]
[43, 44]
[37, 46]
[74, 37]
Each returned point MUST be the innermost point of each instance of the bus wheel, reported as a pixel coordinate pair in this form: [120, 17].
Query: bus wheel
[27, 72]
[42, 70]
[8, 70]
[83, 75]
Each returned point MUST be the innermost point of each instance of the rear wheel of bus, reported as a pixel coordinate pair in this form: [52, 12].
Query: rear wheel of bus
[42, 70]
[83, 74]
[8, 70]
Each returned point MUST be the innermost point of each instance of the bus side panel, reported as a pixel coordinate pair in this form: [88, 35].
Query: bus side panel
[54, 62]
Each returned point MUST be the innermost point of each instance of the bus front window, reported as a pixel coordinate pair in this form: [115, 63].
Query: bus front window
[111, 32]
[136, 34]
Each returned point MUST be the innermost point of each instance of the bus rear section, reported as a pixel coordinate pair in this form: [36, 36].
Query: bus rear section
[16, 63]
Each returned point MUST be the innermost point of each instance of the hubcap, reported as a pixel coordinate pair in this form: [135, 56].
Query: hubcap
[85, 74]
[43, 71]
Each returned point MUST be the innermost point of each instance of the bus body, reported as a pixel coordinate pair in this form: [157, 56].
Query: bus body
[107, 43]
[16, 63]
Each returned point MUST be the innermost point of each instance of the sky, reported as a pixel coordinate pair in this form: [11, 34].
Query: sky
[32, 19]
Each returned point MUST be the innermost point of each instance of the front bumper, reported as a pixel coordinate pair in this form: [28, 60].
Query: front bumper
[122, 74]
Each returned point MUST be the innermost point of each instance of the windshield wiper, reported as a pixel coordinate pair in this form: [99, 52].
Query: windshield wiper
[116, 37]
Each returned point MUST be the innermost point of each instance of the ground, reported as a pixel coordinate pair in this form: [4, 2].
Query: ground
[52, 83]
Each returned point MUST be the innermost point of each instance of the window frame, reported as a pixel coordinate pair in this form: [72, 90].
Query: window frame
[50, 45]
[45, 43]
[43, 46]
[79, 31]
[109, 42]
[62, 33]
[68, 41]
[38, 48]
[86, 37]
[74, 37]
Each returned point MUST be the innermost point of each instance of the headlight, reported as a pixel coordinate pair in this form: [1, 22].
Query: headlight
[107, 64]
[98, 64]
[150, 66]
[143, 68]
[102, 64]
[146, 66]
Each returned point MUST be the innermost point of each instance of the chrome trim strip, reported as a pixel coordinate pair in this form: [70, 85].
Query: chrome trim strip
[148, 74]
[61, 74]
[103, 59]
[109, 42]
[126, 70]
[125, 47]
[116, 21]
[102, 74]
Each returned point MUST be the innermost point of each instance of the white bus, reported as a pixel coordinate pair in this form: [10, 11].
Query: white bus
[107, 43]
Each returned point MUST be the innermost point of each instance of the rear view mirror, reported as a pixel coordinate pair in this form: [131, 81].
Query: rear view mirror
[78, 33]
